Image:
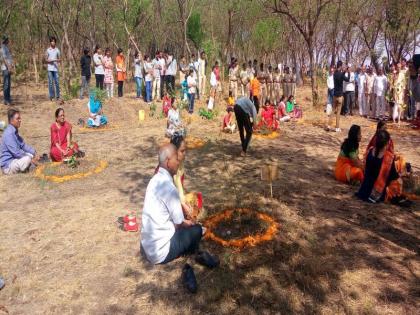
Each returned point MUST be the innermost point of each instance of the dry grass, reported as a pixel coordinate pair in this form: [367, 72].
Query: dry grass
[62, 252]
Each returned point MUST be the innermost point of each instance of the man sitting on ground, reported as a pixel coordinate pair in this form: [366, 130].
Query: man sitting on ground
[15, 155]
[165, 233]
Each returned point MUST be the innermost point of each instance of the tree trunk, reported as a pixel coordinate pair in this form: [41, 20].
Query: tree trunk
[35, 67]
[313, 76]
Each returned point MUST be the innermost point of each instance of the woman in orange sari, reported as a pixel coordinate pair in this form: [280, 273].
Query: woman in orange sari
[381, 176]
[349, 168]
[121, 71]
[61, 144]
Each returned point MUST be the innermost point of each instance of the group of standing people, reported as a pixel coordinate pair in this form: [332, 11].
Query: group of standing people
[377, 94]
[261, 82]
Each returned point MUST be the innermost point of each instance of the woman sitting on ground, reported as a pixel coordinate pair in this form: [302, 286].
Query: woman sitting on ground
[96, 116]
[292, 109]
[381, 176]
[61, 145]
[349, 168]
[268, 117]
[281, 110]
[174, 124]
[228, 123]
[395, 187]
[192, 203]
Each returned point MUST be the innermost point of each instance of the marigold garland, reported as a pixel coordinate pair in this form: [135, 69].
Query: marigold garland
[251, 240]
[106, 127]
[194, 143]
[271, 135]
[39, 172]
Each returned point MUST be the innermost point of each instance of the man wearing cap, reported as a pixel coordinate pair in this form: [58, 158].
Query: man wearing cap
[7, 67]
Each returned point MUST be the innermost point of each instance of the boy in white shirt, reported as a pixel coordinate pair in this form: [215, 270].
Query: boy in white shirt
[380, 86]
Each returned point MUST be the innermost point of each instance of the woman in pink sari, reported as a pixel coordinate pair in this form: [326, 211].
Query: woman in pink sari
[61, 144]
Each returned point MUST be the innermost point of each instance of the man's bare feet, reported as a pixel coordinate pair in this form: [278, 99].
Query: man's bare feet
[243, 153]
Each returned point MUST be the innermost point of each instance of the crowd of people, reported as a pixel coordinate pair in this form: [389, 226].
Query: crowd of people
[378, 95]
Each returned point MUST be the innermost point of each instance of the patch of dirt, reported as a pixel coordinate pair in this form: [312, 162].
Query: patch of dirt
[63, 169]
[240, 225]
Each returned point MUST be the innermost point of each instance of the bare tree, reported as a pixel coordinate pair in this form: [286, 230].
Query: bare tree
[305, 15]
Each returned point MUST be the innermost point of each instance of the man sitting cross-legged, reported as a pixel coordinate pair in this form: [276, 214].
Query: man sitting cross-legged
[15, 155]
[165, 233]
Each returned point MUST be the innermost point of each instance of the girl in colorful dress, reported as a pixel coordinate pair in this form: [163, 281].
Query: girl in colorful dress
[109, 73]
[121, 71]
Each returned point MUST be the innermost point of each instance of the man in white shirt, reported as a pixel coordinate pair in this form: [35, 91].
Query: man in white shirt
[162, 63]
[192, 90]
[165, 233]
[370, 96]
[380, 86]
[157, 67]
[52, 58]
[330, 85]
[361, 89]
[171, 69]
[349, 92]
[202, 63]
[194, 65]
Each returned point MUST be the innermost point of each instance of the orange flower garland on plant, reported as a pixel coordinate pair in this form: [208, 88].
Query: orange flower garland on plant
[271, 135]
[39, 172]
[251, 240]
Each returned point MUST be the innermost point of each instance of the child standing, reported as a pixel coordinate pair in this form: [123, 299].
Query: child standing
[192, 84]
[138, 73]
[148, 78]
[121, 71]
[109, 73]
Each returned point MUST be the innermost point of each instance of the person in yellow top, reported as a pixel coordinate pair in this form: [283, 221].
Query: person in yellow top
[231, 100]
[121, 71]
[255, 87]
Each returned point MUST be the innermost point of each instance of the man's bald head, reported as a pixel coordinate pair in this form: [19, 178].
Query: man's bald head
[168, 158]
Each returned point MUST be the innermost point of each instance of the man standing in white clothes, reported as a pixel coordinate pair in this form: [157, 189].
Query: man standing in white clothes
[380, 86]
[362, 96]
[370, 96]
[156, 77]
[202, 65]
[52, 58]
[171, 69]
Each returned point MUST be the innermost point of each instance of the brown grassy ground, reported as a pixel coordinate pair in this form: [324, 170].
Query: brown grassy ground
[62, 253]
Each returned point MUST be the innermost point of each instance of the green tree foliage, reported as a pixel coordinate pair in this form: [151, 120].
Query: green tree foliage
[194, 30]
[266, 34]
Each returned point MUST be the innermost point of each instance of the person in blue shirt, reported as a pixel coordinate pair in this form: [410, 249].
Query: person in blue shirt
[15, 155]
